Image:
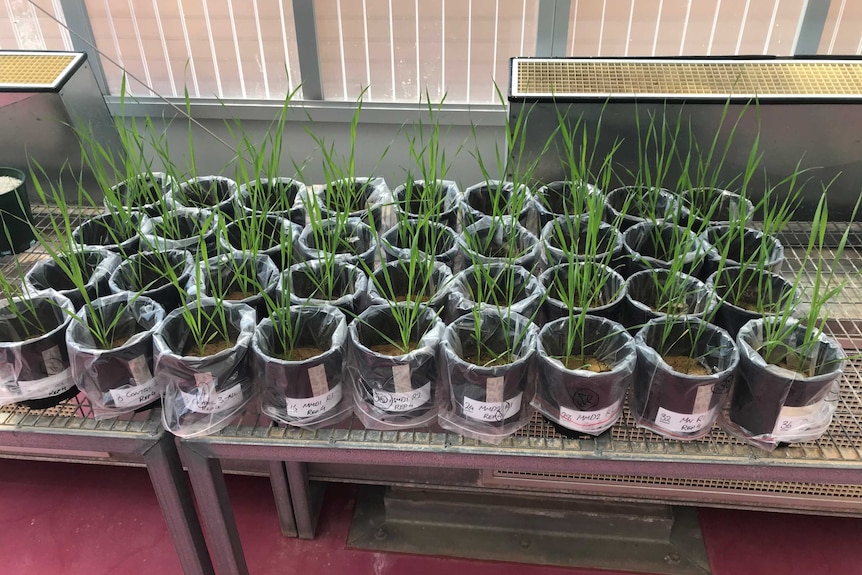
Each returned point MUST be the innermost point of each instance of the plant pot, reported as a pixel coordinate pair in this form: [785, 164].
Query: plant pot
[188, 229]
[148, 192]
[500, 240]
[632, 205]
[742, 247]
[443, 208]
[112, 232]
[97, 267]
[308, 392]
[488, 403]
[558, 200]
[659, 245]
[669, 402]
[644, 297]
[368, 196]
[608, 303]
[241, 278]
[119, 379]
[394, 390]
[202, 394]
[496, 198]
[714, 206]
[770, 404]
[566, 238]
[34, 362]
[397, 280]
[151, 274]
[303, 284]
[272, 236]
[767, 292]
[495, 286]
[352, 241]
[430, 238]
[15, 217]
[579, 399]
[274, 197]
[214, 193]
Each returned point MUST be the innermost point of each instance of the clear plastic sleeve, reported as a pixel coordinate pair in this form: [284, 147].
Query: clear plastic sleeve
[144, 273]
[445, 204]
[680, 405]
[355, 241]
[479, 199]
[656, 245]
[508, 287]
[557, 199]
[563, 233]
[483, 402]
[120, 379]
[215, 193]
[161, 185]
[649, 295]
[266, 198]
[582, 399]
[238, 277]
[379, 201]
[311, 391]
[201, 395]
[630, 205]
[741, 246]
[714, 206]
[278, 237]
[392, 283]
[428, 237]
[607, 301]
[394, 391]
[190, 229]
[111, 231]
[500, 240]
[49, 274]
[34, 367]
[771, 404]
[303, 282]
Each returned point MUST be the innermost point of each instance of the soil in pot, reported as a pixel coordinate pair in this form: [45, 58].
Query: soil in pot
[206, 194]
[490, 200]
[603, 303]
[109, 231]
[216, 345]
[142, 190]
[179, 228]
[560, 197]
[685, 364]
[747, 294]
[347, 197]
[29, 324]
[430, 240]
[304, 287]
[575, 241]
[272, 196]
[638, 203]
[584, 362]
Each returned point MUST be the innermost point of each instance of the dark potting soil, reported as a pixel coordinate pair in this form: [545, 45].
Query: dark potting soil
[308, 289]
[585, 362]
[560, 199]
[119, 340]
[207, 194]
[495, 250]
[669, 308]
[179, 229]
[210, 349]
[267, 233]
[487, 359]
[278, 196]
[300, 353]
[499, 294]
[425, 242]
[578, 244]
[356, 196]
[751, 300]
[350, 245]
[559, 293]
[391, 349]
[686, 365]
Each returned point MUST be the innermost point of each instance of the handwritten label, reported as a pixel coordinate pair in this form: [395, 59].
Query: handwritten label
[140, 370]
[574, 419]
[684, 422]
[136, 395]
[792, 420]
[313, 406]
[47, 386]
[495, 411]
[53, 360]
[207, 400]
[400, 402]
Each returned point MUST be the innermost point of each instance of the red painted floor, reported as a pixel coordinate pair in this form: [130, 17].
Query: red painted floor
[92, 520]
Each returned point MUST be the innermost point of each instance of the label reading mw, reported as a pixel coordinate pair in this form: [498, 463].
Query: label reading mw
[684, 422]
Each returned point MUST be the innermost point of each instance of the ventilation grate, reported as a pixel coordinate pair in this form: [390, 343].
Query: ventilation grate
[34, 69]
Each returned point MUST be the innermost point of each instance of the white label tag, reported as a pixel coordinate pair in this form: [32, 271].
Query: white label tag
[702, 399]
[492, 411]
[401, 378]
[317, 379]
[792, 420]
[48, 386]
[399, 402]
[313, 406]
[140, 370]
[136, 395]
[576, 420]
[684, 422]
[495, 388]
[209, 401]
[53, 360]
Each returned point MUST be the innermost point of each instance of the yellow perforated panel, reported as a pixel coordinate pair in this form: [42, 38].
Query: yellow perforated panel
[33, 69]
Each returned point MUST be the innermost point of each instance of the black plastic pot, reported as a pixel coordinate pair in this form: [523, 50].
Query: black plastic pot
[116, 380]
[281, 197]
[351, 239]
[488, 403]
[394, 391]
[743, 245]
[396, 280]
[370, 196]
[440, 208]
[768, 292]
[277, 237]
[580, 400]
[34, 361]
[566, 238]
[302, 282]
[714, 206]
[16, 235]
[646, 290]
[496, 198]
[148, 192]
[674, 404]
[632, 205]
[500, 240]
[309, 392]
[657, 245]
[557, 199]
[118, 233]
[240, 277]
[608, 303]
[770, 404]
[95, 265]
[146, 273]
[188, 229]
[432, 239]
[214, 193]
[495, 286]
[203, 394]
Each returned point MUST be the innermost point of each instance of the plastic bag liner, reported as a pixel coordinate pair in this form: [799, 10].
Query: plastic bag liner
[771, 404]
[714, 206]
[352, 241]
[443, 208]
[644, 294]
[201, 395]
[190, 229]
[491, 285]
[644, 204]
[278, 237]
[159, 185]
[35, 367]
[118, 233]
[747, 247]
[565, 239]
[96, 266]
[117, 380]
[500, 240]
[303, 283]
[654, 245]
[480, 201]
[430, 238]
[556, 199]
[209, 193]
[274, 196]
[674, 404]
[608, 302]
[771, 290]
[580, 399]
[392, 283]
[222, 278]
[311, 392]
[394, 391]
[373, 194]
[144, 273]
[488, 403]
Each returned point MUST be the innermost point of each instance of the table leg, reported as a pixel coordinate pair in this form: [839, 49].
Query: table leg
[281, 492]
[304, 506]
